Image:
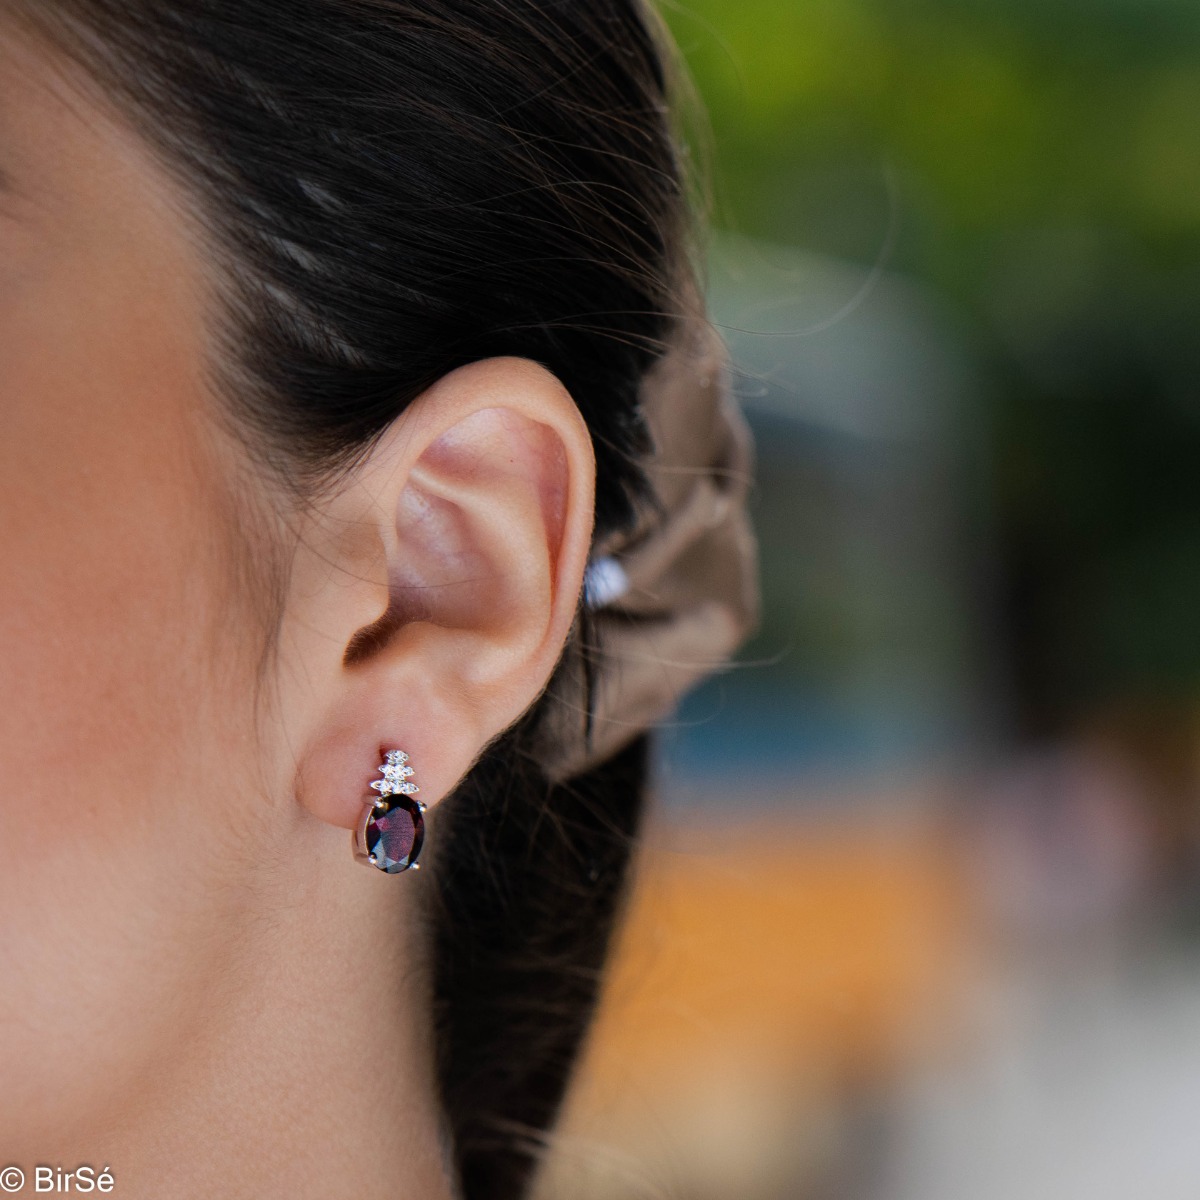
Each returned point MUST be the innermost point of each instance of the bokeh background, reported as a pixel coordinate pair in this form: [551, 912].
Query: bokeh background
[918, 914]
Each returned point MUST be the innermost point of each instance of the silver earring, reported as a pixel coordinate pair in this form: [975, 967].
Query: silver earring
[391, 830]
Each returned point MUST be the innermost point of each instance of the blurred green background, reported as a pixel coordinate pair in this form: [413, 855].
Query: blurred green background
[1031, 170]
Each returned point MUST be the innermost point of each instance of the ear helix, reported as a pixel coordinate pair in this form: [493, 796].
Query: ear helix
[391, 830]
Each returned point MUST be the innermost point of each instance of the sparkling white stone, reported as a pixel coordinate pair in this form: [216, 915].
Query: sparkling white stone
[395, 772]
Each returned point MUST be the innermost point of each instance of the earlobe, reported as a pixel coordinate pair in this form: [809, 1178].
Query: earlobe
[434, 594]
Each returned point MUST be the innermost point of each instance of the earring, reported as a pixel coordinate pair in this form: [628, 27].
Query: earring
[391, 830]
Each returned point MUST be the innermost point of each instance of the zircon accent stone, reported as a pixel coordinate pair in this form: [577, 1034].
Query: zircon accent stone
[389, 787]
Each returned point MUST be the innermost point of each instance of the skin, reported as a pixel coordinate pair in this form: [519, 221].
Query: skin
[199, 987]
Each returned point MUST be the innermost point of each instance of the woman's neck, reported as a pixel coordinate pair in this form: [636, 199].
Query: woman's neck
[309, 1069]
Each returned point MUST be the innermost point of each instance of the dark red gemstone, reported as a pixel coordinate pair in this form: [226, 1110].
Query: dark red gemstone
[394, 834]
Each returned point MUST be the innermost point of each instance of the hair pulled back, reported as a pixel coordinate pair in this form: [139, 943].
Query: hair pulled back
[391, 189]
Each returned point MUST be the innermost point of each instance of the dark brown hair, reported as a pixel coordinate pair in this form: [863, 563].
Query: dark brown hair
[393, 188]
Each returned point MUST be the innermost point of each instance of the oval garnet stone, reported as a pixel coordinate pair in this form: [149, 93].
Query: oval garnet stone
[394, 834]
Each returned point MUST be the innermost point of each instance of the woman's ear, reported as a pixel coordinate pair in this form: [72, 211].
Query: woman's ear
[431, 597]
